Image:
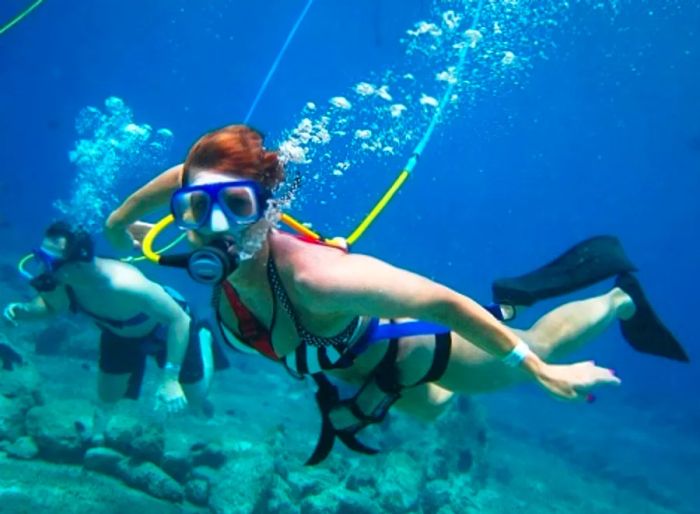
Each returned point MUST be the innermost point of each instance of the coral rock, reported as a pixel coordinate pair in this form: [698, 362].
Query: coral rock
[103, 460]
[243, 484]
[208, 454]
[197, 491]
[19, 392]
[61, 429]
[149, 478]
[177, 464]
[130, 436]
[23, 448]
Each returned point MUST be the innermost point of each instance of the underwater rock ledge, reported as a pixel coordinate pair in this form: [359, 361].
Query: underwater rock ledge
[228, 473]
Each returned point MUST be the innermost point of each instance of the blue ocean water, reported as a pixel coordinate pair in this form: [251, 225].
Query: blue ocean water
[594, 130]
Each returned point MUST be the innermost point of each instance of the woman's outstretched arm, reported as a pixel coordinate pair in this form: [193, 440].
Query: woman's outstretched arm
[358, 284]
[152, 196]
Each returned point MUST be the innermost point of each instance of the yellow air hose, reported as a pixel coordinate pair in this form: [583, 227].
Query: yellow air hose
[383, 201]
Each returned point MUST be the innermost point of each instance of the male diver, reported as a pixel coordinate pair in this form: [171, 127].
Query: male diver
[136, 317]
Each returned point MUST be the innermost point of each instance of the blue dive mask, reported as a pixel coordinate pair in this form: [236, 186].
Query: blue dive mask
[39, 268]
[242, 202]
[50, 261]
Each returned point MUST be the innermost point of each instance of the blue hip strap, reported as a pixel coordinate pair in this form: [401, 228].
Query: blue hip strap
[407, 329]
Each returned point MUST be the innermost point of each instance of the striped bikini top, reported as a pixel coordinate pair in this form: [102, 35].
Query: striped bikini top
[339, 341]
[312, 355]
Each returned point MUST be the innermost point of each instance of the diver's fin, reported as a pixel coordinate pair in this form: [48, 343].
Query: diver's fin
[583, 265]
[9, 357]
[644, 331]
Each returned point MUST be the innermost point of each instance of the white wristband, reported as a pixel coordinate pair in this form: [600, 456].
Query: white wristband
[517, 355]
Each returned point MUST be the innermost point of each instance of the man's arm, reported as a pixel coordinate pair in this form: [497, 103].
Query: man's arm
[158, 304]
[154, 301]
[42, 306]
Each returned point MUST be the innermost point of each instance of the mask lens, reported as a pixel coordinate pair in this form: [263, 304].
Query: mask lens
[43, 262]
[191, 208]
[240, 203]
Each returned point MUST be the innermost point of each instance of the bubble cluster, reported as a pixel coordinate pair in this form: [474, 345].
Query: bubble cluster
[385, 115]
[111, 149]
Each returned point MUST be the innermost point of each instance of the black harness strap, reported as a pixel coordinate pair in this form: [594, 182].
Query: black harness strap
[386, 377]
[441, 358]
[327, 398]
[386, 373]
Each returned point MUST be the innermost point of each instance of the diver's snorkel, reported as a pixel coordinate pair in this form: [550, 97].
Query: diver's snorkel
[45, 280]
[210, 264]
[22, 266]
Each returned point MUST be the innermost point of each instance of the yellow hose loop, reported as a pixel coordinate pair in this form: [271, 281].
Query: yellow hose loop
[151, 255]
[167, 247]
[147, 245]
[362, 227]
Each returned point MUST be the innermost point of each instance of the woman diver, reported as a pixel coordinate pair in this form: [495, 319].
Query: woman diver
[320, 310]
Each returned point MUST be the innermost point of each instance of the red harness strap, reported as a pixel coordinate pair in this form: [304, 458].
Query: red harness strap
[252, 332]
[313, 240]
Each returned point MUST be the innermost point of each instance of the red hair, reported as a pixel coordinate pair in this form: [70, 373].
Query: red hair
[235, 149]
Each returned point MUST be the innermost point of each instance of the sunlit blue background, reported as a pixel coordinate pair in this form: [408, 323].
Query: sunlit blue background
[603, 137]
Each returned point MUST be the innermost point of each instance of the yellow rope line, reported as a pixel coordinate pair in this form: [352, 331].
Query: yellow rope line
[386, 198]
[14, 21]
[291, 222]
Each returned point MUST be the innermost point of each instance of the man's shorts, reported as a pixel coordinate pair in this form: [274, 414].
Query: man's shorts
[122, 355]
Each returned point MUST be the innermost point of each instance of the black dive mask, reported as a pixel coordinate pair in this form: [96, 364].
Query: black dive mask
[210, 264]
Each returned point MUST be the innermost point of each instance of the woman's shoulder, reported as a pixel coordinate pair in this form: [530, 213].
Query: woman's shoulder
[307, 269]
[297, 246]
[295, 255]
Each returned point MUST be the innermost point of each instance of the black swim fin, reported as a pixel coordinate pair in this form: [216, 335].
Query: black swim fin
[9, 357]
[583, 265]
[644, 331]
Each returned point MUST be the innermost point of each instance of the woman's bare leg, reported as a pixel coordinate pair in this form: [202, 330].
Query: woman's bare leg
[471, 370]
[559, 332]
[425, 402]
